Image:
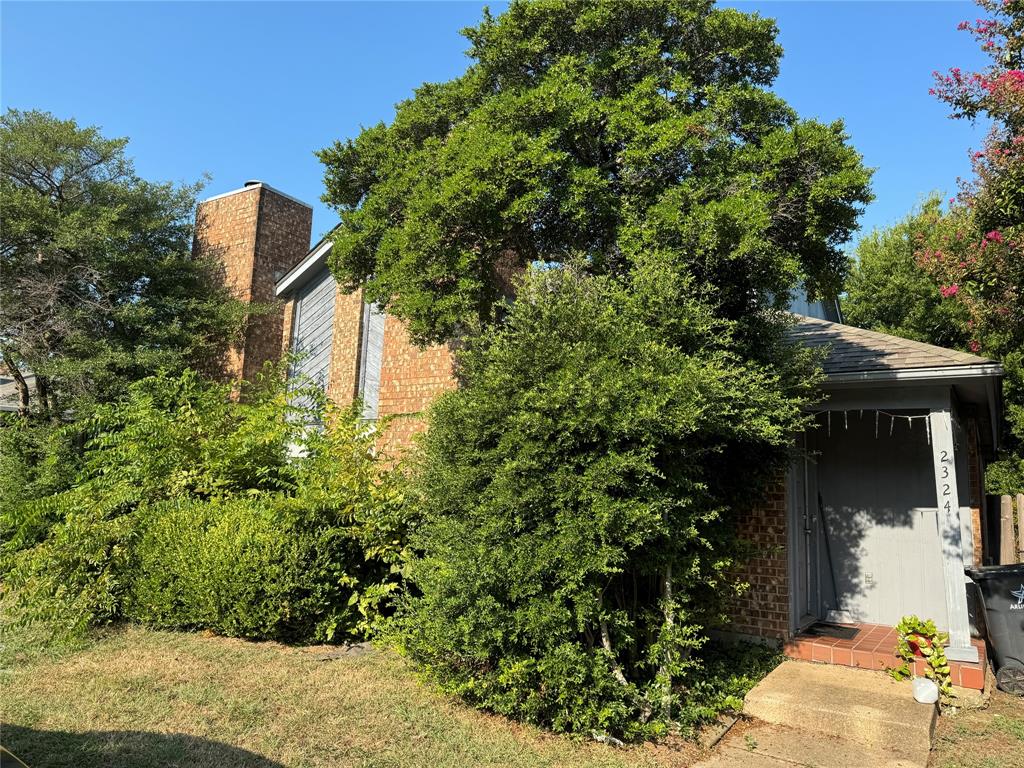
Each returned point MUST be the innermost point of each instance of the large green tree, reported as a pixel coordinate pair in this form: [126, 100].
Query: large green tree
[595, 132]
[99, 287]
[889, 291]
[608, 210]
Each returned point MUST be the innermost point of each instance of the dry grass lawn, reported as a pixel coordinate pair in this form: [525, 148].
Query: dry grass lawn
[138, 698]
[141, 698]
[983, 738]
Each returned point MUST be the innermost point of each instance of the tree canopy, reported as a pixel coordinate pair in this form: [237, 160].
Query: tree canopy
[595, 133]
[99, 286]
[609, 211]
[889, 291]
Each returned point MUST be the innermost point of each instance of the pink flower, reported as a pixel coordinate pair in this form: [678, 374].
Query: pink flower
[948, 291]
[975, 346]
[995, 236]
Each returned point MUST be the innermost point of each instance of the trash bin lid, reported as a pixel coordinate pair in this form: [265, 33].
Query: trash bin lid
[995, 571]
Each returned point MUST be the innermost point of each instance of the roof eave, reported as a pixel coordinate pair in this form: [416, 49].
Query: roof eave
[943, 373]
[310, 265]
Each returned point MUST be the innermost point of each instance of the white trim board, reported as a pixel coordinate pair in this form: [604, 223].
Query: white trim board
[257, 186]
[917, 374]
[310, 264]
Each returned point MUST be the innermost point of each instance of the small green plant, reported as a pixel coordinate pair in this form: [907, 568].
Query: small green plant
[920, 638]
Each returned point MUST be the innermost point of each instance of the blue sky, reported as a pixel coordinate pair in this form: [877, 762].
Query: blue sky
[246, 90]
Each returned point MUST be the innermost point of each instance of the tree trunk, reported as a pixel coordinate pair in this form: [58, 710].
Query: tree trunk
[606, 641]
[666, 672]
[19, 380]
[43, 395]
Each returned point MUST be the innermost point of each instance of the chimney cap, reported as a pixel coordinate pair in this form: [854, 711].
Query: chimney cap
[254, 183]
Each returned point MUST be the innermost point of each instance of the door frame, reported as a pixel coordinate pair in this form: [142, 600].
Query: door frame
[803, 537]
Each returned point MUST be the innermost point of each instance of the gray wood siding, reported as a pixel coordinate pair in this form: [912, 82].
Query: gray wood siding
[370, 359]
[882, 519]
[312, 326]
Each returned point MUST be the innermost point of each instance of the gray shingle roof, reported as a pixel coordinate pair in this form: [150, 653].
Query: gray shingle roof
[855, 350]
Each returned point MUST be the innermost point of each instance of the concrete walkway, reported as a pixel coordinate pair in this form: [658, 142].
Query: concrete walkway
[823, 715]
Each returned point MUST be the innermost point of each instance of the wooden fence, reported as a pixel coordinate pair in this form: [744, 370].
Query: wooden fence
[1010, 532]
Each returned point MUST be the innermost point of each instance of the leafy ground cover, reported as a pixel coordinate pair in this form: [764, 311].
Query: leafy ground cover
[140, 698]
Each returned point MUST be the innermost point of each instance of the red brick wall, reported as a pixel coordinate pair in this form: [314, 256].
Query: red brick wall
[763, 610]
[410, 379]
[226, 231]
[256, 234]
[286, 329]
[346, 346]
[282, 239]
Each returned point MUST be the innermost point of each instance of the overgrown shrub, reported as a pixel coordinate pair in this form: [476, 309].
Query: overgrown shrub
[576, 497]
[194, 509]
[228, 565]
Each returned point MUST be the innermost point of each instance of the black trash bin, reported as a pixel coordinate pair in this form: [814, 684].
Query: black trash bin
[1002, 589]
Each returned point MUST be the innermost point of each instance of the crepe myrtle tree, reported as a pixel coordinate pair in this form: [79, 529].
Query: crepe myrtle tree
[589, 132]
[980, 264]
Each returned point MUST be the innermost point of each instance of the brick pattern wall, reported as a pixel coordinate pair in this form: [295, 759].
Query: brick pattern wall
[286, 329]
[282, 239]
[226, 231]
[346, 347]
[256, 235]
[763, 610]
[410, 379]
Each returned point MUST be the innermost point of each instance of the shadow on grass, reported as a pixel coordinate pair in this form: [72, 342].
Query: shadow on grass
[124, 749]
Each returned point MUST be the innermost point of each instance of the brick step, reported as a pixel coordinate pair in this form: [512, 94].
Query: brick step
[873, 647]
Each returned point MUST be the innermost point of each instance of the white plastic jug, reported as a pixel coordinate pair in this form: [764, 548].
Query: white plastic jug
[925, 690]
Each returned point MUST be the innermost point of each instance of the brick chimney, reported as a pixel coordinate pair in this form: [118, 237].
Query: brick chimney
[257, 233]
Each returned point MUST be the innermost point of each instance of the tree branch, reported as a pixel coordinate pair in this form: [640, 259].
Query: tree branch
[19, 380]
[606, 641]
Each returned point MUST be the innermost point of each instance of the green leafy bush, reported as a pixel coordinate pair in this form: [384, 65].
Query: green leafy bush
[194, 509]
[224, 565]
[575, 496]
